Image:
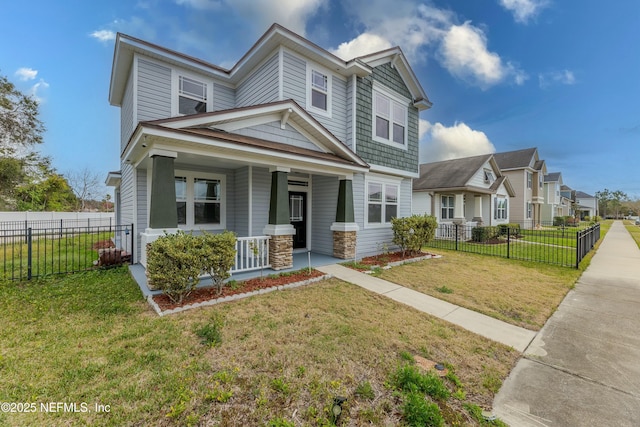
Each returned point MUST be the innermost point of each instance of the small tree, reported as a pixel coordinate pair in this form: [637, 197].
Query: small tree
[413, 232]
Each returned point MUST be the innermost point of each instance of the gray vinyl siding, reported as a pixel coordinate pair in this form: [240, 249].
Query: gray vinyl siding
[125, 209]
[126, 114]
[372, 151]
[372, 240]
[261, 87]
[337, 123]
[349, 114]
[272, 132]
[324, 195]
[154, 91]
[295, 79]
[241, 197]
[224, 97]
[261, 191]
[141, 209]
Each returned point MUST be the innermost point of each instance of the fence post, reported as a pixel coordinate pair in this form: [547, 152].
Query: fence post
[26, 227]
[578, 249]
[508, 242]
[29, 254]
[456, 228]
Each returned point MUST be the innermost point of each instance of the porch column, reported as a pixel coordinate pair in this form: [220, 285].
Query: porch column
[279, 227]
[345, 228]
[163, 215]
[458, 209]
[477, 209]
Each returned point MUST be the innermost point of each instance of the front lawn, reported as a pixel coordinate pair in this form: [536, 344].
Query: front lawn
[274, 359]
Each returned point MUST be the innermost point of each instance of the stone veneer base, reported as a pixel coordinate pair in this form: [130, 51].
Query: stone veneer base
[344, 244]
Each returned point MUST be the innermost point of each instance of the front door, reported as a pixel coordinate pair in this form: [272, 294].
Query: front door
[298, 218]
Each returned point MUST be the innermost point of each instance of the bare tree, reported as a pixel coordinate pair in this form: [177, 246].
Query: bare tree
[86, 185]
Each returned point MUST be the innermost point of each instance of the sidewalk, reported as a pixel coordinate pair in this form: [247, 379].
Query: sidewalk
[513, 336]
[583, 367]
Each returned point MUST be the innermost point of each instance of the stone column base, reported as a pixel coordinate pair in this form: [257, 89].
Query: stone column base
[281, 251]
[344, 244]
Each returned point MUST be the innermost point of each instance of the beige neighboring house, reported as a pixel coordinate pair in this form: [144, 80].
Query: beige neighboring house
[468, 191]
[526, 173]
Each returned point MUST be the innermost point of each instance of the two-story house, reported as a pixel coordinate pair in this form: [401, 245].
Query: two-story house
[467, 191]
[586, 205]
[292, 148]
[526, 173]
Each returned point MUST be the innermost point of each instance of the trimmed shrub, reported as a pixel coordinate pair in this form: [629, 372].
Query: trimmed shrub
[559, 221]
[174, 264]
[218, 256]
[512, 228]
[413, 232]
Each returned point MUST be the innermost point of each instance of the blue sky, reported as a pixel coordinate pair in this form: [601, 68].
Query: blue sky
[560, 75]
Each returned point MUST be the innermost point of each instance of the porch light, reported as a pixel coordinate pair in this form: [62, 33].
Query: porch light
[336, 409]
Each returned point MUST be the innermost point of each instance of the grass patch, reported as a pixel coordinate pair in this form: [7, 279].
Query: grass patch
[519, 292]
[634, 230]
[285, 356]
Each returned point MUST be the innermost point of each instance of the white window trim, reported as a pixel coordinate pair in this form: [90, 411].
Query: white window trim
[384, 181]
[191, 176]
[393, 97]
[453, 207]
[504, 209]
[175, 89]
[310, 69]
[529, 212]
[529, 178]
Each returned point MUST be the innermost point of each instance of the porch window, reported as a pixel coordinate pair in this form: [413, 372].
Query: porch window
[390, 119]
[199, 200]
[447, 205]
[382, 201]
[501, 208]
[192, 96]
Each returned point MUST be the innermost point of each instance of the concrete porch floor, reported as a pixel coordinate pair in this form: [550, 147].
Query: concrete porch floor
[300, 260]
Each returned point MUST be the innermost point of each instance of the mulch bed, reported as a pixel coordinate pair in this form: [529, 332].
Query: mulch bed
[384, 259]
[205, 294]
[103, 244]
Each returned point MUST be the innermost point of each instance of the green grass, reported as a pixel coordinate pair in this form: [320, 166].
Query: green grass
[90, 337]
[634, 230]
[51, 254]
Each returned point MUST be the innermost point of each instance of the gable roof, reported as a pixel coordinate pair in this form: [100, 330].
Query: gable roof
[552, 177]
[517, 159]
[583, 195]
[455, 174]
[275, 36]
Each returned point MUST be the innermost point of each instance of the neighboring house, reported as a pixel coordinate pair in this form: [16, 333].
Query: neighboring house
[568, 195]
[586, 205]
[554, 204]
[292, 145]
[468, 191]
[526, 173]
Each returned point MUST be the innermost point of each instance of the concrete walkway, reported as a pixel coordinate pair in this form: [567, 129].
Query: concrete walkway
[583, 368]
[513, 336]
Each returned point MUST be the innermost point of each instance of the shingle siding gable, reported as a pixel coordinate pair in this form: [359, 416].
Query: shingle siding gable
[376, 153]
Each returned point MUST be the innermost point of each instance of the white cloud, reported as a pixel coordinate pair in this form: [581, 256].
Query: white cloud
[25, 74]
[439, 142]
[103, 35]
[564, 77]
[37, 89]
[364, 44]
[523, 10]
[466, 56]
[423, 30]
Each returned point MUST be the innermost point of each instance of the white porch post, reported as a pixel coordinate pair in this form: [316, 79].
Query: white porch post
[458, 209]
[477, 209]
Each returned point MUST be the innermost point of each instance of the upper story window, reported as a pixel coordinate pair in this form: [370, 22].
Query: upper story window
[192, 96]
[389, 118]
[319, 91]
[529, 180]
[488, 177]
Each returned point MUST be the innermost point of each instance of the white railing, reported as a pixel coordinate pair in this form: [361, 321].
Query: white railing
[252, 253]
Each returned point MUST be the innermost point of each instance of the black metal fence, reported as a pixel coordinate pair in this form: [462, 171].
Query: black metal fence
[38, 252]
[565, 246]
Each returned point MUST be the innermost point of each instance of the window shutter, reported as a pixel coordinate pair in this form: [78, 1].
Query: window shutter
[495, 208]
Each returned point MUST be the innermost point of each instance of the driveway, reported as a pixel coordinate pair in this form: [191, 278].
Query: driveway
[583, 367]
